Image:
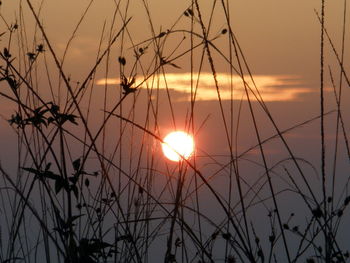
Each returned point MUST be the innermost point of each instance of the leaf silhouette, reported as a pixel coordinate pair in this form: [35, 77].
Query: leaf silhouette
[161, 34]
[59, 184]
[11, 81]
[6, 53]
[127, 85]
[122, 60]
[40, 48]
[76, 164]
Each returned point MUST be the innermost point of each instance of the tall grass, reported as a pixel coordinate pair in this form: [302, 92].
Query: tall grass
[86, 182]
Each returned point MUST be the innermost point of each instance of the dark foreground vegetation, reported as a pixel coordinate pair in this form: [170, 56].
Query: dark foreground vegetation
[86, 181]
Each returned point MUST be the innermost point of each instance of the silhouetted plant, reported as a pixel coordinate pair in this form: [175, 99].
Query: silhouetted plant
[90, 200]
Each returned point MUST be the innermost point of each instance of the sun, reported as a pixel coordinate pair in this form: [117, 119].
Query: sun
[176, 143]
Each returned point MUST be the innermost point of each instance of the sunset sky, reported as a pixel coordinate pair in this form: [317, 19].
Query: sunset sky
[279, 40]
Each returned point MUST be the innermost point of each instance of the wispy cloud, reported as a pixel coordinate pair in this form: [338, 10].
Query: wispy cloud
[271, 87]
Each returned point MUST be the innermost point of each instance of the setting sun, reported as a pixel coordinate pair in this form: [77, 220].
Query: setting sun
[176, 143]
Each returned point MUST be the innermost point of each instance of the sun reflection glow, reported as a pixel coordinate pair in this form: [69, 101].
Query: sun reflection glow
[176, 143]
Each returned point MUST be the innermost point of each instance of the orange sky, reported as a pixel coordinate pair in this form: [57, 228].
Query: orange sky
[280, 41]
[278, 37]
